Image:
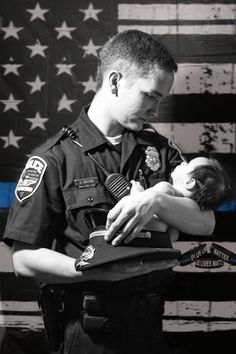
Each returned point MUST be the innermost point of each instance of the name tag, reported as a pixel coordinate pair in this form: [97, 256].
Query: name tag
[86, 182]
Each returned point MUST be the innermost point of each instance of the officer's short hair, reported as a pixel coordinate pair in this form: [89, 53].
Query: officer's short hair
[212, 185]
[134, 52]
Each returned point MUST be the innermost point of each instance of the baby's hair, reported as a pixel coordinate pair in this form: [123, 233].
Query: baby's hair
[212, 185]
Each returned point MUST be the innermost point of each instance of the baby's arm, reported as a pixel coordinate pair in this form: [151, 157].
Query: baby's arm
[164, 187]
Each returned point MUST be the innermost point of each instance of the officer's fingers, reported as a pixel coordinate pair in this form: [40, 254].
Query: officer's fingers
[117, 240]
[115, 226]
[127, 228]
[113, 214]
[134, 233]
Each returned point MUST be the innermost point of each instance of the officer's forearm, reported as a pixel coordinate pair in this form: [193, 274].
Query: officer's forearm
[184, 214]
[44, 265]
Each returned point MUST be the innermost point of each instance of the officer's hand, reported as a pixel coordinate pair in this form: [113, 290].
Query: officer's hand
[128, 217]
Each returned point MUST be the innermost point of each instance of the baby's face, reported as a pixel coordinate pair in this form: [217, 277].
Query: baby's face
[181, 173]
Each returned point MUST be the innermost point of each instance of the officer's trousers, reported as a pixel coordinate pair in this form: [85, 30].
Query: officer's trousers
[123, 318]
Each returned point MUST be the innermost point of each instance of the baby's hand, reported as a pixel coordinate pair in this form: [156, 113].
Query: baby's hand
[136, 187]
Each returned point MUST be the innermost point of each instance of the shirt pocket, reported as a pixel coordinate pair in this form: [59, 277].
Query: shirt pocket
[87, 197]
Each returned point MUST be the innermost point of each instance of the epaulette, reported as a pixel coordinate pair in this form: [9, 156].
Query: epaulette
[49, 143]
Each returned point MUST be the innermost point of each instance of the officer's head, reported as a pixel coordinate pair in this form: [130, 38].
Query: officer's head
[134, 53]
[135, 72]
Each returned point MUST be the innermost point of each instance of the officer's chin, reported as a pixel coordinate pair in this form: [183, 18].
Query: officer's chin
[136, 127]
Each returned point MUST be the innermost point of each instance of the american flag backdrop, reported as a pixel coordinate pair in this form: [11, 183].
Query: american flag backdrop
[48, 60]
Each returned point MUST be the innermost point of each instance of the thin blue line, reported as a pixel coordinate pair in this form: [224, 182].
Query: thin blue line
[7, 194]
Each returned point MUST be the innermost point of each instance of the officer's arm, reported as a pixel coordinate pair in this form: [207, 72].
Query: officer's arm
[132, 212]
[43, 264]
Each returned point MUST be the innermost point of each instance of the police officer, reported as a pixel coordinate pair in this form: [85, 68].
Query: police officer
[102, 311]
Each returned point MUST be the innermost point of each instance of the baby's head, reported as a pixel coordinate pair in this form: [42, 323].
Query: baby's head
[203, 180]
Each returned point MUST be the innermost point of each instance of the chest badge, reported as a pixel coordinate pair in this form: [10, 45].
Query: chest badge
[86, 256]
[152, 158]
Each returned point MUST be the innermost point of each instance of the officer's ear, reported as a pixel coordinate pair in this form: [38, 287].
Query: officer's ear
[190, 184]
[114, 79]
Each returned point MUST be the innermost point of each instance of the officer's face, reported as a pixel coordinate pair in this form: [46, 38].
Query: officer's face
[139, 98]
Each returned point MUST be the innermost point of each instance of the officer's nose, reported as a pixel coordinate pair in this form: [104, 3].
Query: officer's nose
[152, 115]
[154, 110]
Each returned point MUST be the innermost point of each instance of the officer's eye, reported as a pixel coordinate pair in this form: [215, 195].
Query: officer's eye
[150, 96]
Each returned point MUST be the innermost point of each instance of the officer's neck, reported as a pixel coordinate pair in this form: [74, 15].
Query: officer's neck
[100, 114]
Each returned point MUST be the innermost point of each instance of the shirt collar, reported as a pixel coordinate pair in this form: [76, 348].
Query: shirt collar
[90, 136]
[139, 138]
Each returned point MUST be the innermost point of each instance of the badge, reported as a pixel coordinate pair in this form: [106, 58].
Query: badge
[30, 178]
[152, 158]
[85, 256]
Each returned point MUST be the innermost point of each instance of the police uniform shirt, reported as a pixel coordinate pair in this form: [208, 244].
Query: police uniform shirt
[61, 182]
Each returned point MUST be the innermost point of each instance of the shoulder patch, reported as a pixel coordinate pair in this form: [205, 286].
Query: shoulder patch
[30, 178]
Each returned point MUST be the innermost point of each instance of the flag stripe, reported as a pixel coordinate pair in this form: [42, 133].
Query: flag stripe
[33, 323]
[200, 137]
[200, 49]
[185, 308]
[19, 306]
[175, 311]
[195, 326]
[177, 11]
[194, 108]
[203, 309]
[182, 29]
[205, 78]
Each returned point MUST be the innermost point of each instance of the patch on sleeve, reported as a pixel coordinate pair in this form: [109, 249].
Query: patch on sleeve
[30, 178]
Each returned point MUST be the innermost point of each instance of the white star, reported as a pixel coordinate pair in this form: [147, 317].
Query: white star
[36, 84]
[91, 48]
[11, 103]
[37, 121]
[11, 68]
[11, 31]
[90, 85]
[90, 12]
[64, 68]
[64, 103]
[37, 12]
[11, 139]
[37, 49]
[64, 30]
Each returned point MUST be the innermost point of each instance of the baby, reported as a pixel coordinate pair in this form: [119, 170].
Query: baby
[201, 179]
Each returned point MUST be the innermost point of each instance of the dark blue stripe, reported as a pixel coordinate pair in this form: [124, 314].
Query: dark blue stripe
[7, 194]
[228, 206]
